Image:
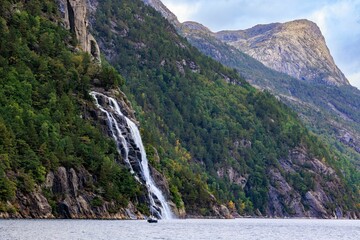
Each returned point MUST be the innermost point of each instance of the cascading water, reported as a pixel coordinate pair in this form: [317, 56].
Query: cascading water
[114, 117]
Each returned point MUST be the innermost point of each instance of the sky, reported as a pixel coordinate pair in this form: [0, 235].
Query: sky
[339, 21]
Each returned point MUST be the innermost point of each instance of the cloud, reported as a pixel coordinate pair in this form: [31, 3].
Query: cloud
[183, 10]
[241, 14]
[339, 21]
[355, 79]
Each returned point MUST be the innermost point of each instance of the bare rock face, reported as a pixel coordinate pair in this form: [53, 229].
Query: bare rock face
[233, 176]
[296, 48]
[33, 205]
[75, 19]
[287, 200]
[160, 7]
[71, 195]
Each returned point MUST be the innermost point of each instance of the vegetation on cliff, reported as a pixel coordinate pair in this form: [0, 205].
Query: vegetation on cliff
[43, 87]
[330, 111]
[197, 125]
[199, 121]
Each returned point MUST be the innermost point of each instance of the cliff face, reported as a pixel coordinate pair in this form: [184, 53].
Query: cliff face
[75, 19]
[74, 190]
[296, 48]
[68, 193]
[286, 194]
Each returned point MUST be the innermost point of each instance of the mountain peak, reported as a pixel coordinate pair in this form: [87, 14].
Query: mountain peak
[297, 48]
[302, 26]
[191, 26]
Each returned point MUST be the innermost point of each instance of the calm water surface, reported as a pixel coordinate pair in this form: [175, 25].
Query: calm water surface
[179, 229]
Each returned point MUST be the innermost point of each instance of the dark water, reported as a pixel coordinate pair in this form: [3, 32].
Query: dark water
[180, 229]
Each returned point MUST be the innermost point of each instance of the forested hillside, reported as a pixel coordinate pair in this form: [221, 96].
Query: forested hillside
[231, 139]
[330, 111]
[44, 85]
[216, 142]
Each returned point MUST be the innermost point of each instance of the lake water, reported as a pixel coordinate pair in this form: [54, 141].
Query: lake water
[179, 229]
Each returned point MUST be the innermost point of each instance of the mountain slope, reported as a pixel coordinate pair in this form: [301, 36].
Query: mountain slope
[296, 48]
[55, 160]
[330, 111]
[217, 143]
[242, 145]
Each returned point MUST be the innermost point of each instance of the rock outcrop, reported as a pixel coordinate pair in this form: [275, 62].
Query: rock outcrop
[287, 194]
[75, 19]
[296, 48]
[68, 193]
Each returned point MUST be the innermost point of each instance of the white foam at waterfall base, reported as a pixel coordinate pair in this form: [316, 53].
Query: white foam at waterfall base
[165, 211]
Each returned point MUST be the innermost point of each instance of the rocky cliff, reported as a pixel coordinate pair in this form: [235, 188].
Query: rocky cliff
[287, 196]
[67, 193]
[75, 19]
[74, 191]
[296, 48]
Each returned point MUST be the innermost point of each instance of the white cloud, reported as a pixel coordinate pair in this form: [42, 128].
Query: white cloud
[341, 13]
[339, 23]
[355, 79]
[337, 19]
[184, 11]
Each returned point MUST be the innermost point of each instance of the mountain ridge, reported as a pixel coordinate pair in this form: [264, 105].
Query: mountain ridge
[296, 48]
[253, 41]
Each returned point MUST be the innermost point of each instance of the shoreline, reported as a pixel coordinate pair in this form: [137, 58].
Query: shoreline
[175, 219]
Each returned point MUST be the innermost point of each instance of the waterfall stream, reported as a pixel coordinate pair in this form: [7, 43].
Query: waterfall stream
[118, 124]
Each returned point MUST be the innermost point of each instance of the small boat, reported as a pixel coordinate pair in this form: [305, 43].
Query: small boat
[152, 220]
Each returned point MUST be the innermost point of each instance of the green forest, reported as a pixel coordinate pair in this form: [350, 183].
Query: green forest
[188, 100]
[314, 102]
[192, 115]
[43, 87]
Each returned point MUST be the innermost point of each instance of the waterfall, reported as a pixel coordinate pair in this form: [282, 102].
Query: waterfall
[119, 126]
